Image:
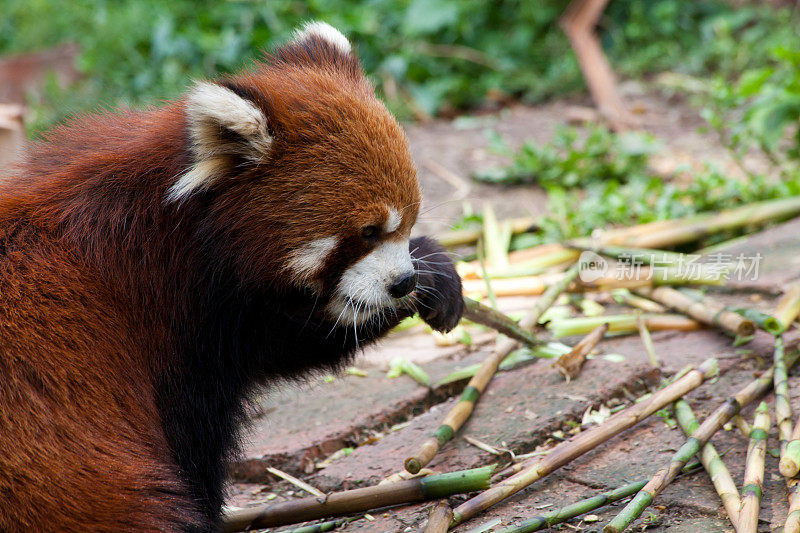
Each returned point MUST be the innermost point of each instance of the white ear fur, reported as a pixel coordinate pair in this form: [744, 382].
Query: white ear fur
[211, 109]
[324, 31]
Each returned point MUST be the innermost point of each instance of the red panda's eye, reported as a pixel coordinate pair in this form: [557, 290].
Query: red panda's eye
[370, 233]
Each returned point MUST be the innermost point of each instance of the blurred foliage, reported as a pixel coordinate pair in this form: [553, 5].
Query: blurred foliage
[425, 56]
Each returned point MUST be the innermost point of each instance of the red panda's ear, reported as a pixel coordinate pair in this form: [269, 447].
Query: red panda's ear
[225, 128]
[325, 33]
[318, 44]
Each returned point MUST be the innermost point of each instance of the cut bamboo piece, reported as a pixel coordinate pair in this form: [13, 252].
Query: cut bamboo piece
[752, 392]
[790, 460]
[712, 462]
[586, 440]
[647, 340]
[486, 316]
[439, 518]
[477, 384]
[566, 327]
[521, 265]
[754, 472]
[575, 509]
[788, 307]
[783, 411]
[358, 500]
[569, 365]
[706, 311]
[764, 321]
[624, 296]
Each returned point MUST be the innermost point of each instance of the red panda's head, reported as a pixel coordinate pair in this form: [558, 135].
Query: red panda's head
[309, 177]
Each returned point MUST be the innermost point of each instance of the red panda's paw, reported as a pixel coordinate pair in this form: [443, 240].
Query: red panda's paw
[438, 292]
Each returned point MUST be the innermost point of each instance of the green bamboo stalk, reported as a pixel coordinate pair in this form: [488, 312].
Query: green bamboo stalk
[783, 410]
[764, 321]
[358, 500]
[624, 296]
[752, 392]
[693, 228]
[584, 441]
[754, 472]
[712, 462]
[486, 316]
[575, 509]
[567, 327]
[478, 383]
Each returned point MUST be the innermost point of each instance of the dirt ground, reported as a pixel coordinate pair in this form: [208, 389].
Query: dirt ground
[353, 431]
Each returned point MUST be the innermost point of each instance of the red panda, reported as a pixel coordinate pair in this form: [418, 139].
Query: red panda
[158, 266]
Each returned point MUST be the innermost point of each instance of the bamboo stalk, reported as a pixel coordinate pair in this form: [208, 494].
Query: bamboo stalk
[712, 462]
[439, 518]
[586, 440]
[486, 316]
[693, 228]
[647, 256]
[566, 327]
[522, 286]
[358, 500]
[647, 340]
[575, 509]
[792, 524]
[790, 461]
[742, 425]
[754, 472]
[783, 410]
[477, 384]
[706, 311]
[764, 321]
[296, 482]
[752, 392]
[471, 236]
[788, 307]
[569, 365]
[624, 296]
[320, 527]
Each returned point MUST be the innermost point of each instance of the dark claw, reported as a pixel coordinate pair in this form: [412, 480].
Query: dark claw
[442, 305]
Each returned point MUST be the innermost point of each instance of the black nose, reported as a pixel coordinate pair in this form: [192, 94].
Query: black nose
[403, 286]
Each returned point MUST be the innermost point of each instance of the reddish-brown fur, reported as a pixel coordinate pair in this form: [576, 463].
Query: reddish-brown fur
[107, 312]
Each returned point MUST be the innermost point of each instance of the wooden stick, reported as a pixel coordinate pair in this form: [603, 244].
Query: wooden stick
[477, 384]
[586, 440]
[486, 316]
[754, 472]
[569, 365]
[706, 311]
[439, 518]
[578, 23]
[752, 392]
[712, 462]
[358, 500]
